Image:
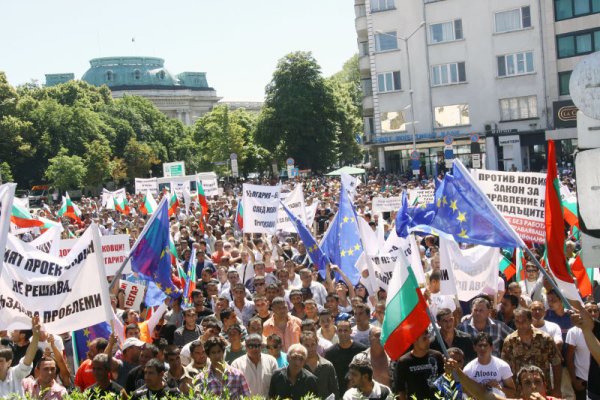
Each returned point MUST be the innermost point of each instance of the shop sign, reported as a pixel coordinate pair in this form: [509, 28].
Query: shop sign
[408, 137]
[565, 114]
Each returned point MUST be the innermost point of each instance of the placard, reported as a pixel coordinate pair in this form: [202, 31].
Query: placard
[386, 204]
[115, 249]
[260, 205]
[150, 184]
[519, 196]
[134, 294]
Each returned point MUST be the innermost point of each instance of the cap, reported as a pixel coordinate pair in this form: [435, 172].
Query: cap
[130, 342]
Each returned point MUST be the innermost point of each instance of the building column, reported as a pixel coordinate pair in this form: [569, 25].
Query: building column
[381, 157]
[491, 154]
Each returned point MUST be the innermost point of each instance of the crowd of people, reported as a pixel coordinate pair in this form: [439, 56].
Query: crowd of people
[263, 322]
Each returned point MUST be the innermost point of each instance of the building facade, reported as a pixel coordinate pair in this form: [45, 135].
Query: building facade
[185, 96]
[470, 76]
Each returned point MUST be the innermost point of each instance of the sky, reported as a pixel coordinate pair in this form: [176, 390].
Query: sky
[236, 42]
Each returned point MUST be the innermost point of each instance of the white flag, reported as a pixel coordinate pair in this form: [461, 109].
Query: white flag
[467, 273]
[49, 241]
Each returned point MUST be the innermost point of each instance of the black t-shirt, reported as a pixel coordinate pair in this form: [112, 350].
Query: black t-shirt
[164, 393]
[282, 387]
[461, 340]
[594, 372]
[341, 358]
[135, 379]
[414, 375]
[19, 352]
[96, 392]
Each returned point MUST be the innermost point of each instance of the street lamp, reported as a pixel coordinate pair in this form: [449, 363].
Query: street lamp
[416, 165]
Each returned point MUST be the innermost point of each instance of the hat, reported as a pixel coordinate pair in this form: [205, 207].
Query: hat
[209, 268]
[130, 342]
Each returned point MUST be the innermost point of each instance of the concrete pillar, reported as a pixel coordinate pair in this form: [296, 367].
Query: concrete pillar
[491, 154]
[381, 156]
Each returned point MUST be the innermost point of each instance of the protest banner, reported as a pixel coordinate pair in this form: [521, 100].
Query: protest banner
[134, 294]
[179, 186]
[519, 196]
[294, 201]
[107, 194]
[467, 273]
[420, 196]
[210, 187]
[67, 293]
[311, 212]
[386, 204]
[115, 249]
[260, 204]
[49, 241]
[143, 185]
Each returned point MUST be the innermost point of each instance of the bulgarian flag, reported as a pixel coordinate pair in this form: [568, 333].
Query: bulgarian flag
[124, 204]
[201, 197]
[507, 267]
[48, 223]
[405, 316]
[239, 216]
[555, 230]
[149, 204]
[173, 203]
[520, 262]
[118, 201]
[69, 209]
[22, 218]
[583, 276]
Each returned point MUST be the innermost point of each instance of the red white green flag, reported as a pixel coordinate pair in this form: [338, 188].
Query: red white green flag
[149, 205]
[201, 197]
[69, 209]
[405, 316]
[22, 218]
[173, 203]
[555, 230]
[507, 268]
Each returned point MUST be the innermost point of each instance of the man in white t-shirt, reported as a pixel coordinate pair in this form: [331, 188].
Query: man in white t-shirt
[578, 355]
[11, 377]
[436, 300]
[488, 370]
[538, 313]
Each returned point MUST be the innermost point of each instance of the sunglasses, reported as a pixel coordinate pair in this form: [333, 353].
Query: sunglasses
[253, 345]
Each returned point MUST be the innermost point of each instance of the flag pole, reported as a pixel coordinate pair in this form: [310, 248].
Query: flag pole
[459, 165]
[436, 330]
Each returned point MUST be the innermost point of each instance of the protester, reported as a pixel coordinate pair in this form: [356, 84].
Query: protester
[220, 376]
[321, 368]
[155, 386]
[104, 385]
[257, 368]
[362, 385]
[11, 376]
[293, 381]
[44, 385]
[342, 353]
[480, 321]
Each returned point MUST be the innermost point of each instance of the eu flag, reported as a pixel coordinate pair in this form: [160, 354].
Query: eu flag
[84, 337]
[314, 251]
[408, 217]
[150, 256]
[342, 241]
[463, 211]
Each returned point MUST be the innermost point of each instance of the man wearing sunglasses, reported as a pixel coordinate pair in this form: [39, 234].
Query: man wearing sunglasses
[257, 367]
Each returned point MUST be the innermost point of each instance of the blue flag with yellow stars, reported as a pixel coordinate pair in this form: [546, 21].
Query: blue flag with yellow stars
[84, 337]
[464, 212]
[342, 241]
[150, 256]
[314, 251]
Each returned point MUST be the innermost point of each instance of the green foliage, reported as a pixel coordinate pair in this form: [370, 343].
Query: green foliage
[37, 122]
[310, 118]
[5, 172]
[66, 172]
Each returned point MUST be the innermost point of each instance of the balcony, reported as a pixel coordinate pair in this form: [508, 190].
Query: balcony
[364, 66]
[361, 26]
[367, 105]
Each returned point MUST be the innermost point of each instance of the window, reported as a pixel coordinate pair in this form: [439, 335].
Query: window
[360, 11]
[446, 31]
[579, 43]
[565, 9]
[393, 121]
[388, 81]
[136, 74]
[161, 74]
[109, 75]
[563, 82]
[452, 115]
[363, 49]
[386, 41]
[518, 108]
[448, 74]
[513, 20]
[369, 125]
[382, 5]
[367, 87]
[515, 64]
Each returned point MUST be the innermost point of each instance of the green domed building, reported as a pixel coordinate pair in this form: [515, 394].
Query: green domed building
[185, 96]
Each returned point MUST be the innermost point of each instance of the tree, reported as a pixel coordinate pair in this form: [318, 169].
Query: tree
[97, 162]
[298, 118]
[66, 172]
[140, 158]
[220, 133]
[118, 169]
[5, 173]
